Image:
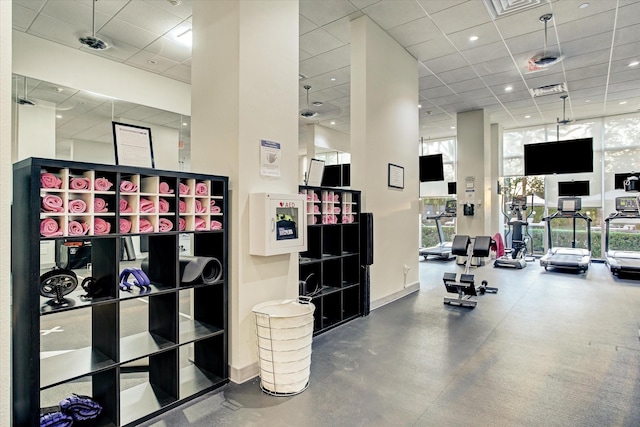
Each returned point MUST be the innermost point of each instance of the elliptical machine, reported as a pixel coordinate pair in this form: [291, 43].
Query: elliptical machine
[518, 233]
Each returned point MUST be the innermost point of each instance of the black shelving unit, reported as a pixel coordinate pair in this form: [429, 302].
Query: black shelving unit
[139, 352]
[333, 255]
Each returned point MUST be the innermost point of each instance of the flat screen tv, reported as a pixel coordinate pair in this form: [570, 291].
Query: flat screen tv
[573, 188]
[431, 168]
[452, 188]
[337, 176]
[620, 178]
[559, 157]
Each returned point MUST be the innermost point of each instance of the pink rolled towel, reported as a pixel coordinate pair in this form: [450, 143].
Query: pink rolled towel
[316, 209]
[201, 189]
[99, 204]
[78, 229]
[145, 226]
[215, 209]
[216, 225]
[124, 206]
[315, 220]
[125, 225]
[103, 184]
[80, 183]
[336, 197]
[200, 224]
[212, 204]
[52, 203]
[199, 207]
[128, 186]
[165, 225]
[100, 226]
[147, 206]
[163, 206]
[184, 189]
[182, 206]
[164, 188]
[49, 180]
[336, 209]
[77, 206]
[49, 228]
[182, 224]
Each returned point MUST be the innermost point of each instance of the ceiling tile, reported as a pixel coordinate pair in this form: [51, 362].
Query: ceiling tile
[149, 17]
[130, 34]
[304, 55]
[486, 34]
[118, 51]
[318, 41]
[184, 10]
[460, 75]
[436, 92]
[55, 30]
[174, 50]
[496, 66]
[180, 72]
[433, 6]
[305, 25]
[432, 49]
[77, 13]
[429, 81]
[628, 14]
[600, 41]
[22, 17]
[34, 5]
[630, 51]
[461, 16]
[585, 27]
[414, 32]
[525, 22]
[391, 13]
[142, 58]
[341, 29]
[486, 53]
[321, 13]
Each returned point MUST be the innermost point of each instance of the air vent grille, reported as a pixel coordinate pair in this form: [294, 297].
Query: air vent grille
[498, 8]
[548, 90]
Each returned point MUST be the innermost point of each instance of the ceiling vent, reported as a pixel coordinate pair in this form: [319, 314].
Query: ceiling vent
[498, 8]
[548, 90]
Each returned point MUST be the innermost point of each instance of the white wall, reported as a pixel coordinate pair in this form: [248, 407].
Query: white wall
[233, 108]
[332, 139]
[36, 131]
[52, 62]
[6, 177]
[384, 129]
[92, 152]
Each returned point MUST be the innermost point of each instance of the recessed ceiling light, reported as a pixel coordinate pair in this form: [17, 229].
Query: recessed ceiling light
[453, 127]
[508, 88]
[186, 37]
[587, 100]
[584, 5]
[152, 62]
[623, 102]
[333, 123]
[58, 116]
[185, 124]
[419, 105]
[333, 79]
[473, 38]
[527, 117]
[634, 63]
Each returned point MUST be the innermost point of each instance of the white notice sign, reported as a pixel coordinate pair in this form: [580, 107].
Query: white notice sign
[133, 145]
[269, 158]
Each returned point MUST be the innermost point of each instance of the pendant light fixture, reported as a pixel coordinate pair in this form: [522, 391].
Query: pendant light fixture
[91, 41]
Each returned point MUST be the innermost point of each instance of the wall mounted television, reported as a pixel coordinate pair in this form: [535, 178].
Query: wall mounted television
[452, 188]
[573, 188]
[620, 178]
[337, 176]
[431, 168]
[559, 157]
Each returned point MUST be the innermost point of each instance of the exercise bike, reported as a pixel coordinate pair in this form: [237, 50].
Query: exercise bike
[519, 235]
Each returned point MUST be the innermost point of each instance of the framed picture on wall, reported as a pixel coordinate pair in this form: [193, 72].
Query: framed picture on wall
[133, 146]
[396, 176]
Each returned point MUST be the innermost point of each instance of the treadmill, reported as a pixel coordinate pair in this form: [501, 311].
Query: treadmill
[443, 249]
[568, 258]
[622, 261]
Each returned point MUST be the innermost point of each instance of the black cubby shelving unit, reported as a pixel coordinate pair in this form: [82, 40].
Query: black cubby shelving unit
[333, 255]
[139, 352]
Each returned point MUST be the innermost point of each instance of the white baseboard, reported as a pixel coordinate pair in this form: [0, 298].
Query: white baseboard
[242, 375]
[408, 290]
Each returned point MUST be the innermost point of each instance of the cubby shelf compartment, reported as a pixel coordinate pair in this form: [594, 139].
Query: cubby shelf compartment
[333, 255]
[136, 352]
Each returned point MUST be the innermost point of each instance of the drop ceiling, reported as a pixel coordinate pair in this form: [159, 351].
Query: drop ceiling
[597, 41]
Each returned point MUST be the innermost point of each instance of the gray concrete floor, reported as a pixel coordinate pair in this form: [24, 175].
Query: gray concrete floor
[549, 349]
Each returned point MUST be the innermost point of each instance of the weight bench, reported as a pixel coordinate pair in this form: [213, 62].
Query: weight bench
[465, 286]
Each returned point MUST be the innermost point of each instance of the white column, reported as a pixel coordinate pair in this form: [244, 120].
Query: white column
[493, 153]
[384, 129]
[474, 135]
[244, 89]
[6, 177]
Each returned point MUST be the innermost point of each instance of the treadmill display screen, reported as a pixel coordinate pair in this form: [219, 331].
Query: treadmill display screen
[450, 207]
[569, 204]
[626, 204]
